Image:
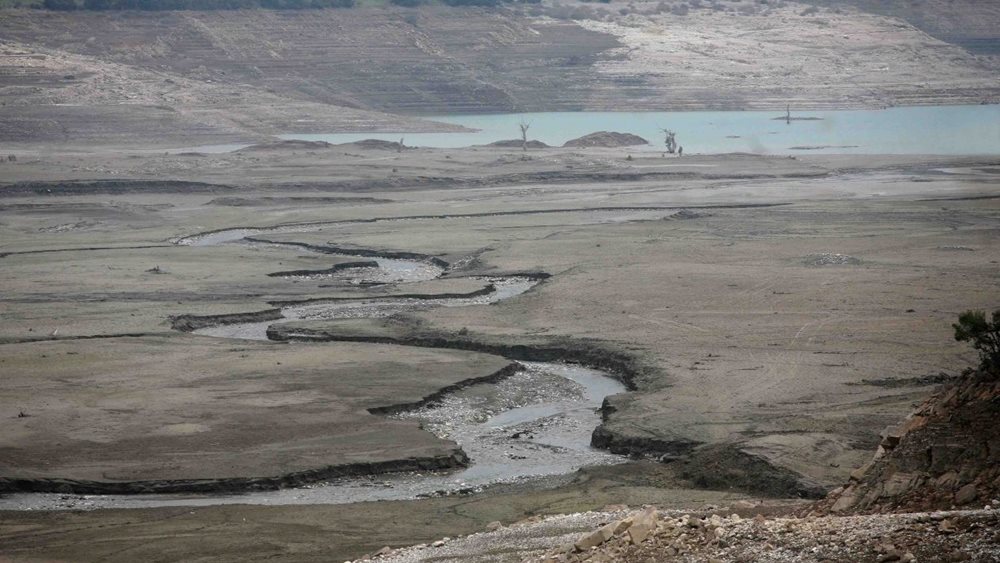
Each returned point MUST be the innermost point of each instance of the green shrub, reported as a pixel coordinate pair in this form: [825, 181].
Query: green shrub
[973, 326]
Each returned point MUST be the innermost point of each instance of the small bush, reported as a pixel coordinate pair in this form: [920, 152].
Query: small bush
[973, 326]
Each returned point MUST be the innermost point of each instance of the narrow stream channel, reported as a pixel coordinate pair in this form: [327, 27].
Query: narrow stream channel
[536, 423]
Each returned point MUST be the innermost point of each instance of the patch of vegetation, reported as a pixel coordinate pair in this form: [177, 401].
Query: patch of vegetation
[984, 334]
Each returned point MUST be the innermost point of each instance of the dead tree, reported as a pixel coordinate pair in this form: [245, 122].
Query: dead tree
[524, 125]
[670, 140]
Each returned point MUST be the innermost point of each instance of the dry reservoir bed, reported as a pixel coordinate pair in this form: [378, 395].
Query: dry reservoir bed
[765, 331]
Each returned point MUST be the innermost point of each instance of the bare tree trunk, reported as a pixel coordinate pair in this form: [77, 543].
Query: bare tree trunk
[524, 135]
[670, 140]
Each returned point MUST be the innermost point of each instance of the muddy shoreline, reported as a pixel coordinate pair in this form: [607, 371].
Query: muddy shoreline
[201, 234]
[435, 397]
[110, 187]
[621, 366]
[457, 459]
[486, 290]
[191, 323]
[139, 186]
[365, 252]
[328, 271]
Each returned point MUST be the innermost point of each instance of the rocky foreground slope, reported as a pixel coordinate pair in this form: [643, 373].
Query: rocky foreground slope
[649, 535]
[946, 454]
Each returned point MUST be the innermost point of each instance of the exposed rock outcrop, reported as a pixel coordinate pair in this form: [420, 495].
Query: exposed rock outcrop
[945, 454]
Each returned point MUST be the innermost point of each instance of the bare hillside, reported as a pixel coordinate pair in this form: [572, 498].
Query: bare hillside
[971, 24]
[247, 73]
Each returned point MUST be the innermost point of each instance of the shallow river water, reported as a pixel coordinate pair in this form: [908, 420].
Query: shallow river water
[535, 423]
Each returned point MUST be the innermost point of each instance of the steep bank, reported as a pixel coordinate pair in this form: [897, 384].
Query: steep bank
[945, 454]
[453, 460]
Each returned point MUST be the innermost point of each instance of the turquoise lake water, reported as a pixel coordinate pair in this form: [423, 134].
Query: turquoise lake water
[903, 130]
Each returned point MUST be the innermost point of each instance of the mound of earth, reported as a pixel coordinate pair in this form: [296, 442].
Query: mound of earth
[687, 214]
[607, 139]
[830, 259]
[290, 144]
[518, 143]
[377, 144]
[945, 454]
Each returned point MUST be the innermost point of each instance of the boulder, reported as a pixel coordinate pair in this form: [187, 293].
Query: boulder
[948, 480]
[622, 525]
[595, 538]
[891, 437]
[966, 494]
[643, 524]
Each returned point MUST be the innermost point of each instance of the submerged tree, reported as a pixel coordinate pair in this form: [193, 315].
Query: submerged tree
[670, 140]
[524, 125]
[973, 326]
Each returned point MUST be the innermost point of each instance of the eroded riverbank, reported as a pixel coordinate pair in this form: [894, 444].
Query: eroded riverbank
[535, 422]
[530, 420]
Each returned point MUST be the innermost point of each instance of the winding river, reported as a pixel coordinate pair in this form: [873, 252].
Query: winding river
[537, 422]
